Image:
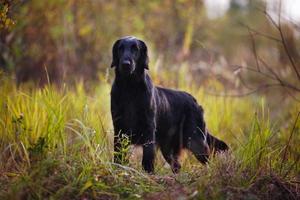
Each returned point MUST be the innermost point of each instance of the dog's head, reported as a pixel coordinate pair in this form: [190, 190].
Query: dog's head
[130, 55]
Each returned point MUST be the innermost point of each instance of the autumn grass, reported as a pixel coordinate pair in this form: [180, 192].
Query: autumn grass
[56, 143]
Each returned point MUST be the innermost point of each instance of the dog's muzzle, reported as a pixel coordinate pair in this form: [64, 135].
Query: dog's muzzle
[127, 66]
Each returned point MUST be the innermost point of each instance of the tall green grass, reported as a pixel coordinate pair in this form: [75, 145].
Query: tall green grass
[56, 143]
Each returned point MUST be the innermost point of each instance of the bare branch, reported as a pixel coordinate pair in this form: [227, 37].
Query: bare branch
[270, 70]
[292, 95]
[262, 68]
[254, 49]
[261, 87]
[262, 34]
[282, 38]
[270, 18]
[244, 82]
[288, 53]
[274, 78]
[256, 71]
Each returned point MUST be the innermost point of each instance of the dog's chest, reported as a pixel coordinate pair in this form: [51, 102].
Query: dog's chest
[130, 113]
[132, 110]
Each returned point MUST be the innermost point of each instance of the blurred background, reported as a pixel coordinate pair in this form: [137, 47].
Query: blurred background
[244, 46]
[239, 58]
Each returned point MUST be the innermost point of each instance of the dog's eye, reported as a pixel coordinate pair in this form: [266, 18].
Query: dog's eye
[134, 47]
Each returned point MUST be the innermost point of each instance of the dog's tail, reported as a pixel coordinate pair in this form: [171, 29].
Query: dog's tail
[215, 144]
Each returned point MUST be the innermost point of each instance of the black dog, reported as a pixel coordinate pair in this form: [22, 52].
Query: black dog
[153, 116]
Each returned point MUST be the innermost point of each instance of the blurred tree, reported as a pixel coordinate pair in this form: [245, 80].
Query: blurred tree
[6, 24]
[72, 39]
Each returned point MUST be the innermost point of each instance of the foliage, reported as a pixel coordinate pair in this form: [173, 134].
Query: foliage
[56, 140]
[5, 21]
[57, 143]
[75, 37]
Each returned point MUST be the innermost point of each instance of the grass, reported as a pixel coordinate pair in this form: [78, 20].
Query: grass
[57, 144]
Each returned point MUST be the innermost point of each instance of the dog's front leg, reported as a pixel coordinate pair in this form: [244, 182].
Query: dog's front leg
[149, 151]
[148, 157]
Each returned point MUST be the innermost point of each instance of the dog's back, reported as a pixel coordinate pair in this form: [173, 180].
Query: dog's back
[180, 116]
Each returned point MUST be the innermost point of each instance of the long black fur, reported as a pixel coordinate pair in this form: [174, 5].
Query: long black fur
[154, 116]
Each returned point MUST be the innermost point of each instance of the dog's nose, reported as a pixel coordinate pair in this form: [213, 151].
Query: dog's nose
[126, 63]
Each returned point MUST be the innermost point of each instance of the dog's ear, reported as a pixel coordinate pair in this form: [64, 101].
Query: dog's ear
[115, 54]
[144, 59]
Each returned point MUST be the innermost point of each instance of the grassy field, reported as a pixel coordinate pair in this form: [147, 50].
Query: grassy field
[57, 144]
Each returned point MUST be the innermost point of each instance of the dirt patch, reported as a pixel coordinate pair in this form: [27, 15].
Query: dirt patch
[173, 189]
